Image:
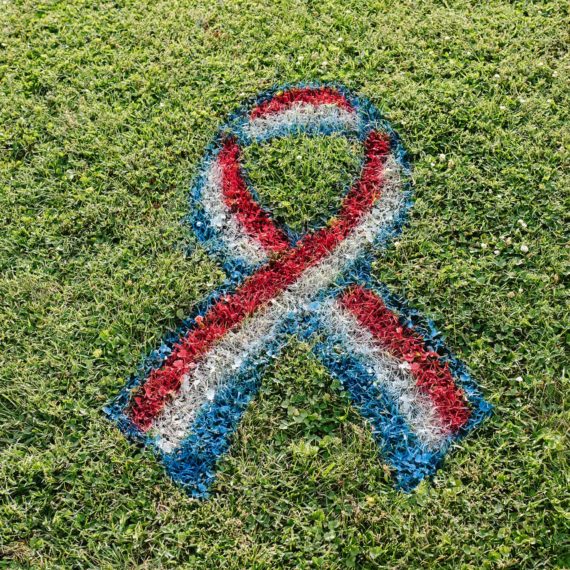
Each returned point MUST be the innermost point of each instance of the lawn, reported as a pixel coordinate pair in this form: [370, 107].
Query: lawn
[105, 111]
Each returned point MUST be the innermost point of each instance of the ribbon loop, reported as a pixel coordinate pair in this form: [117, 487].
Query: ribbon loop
[192, 392]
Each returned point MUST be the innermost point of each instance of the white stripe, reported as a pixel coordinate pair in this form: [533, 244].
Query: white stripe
[249, 339]
[390, 373]
[302, 115]
[237, 241]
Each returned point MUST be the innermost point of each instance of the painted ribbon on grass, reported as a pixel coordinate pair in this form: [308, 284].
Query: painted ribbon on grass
[192, 392]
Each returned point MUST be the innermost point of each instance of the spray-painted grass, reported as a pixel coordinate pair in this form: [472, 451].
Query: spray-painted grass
[104, 113]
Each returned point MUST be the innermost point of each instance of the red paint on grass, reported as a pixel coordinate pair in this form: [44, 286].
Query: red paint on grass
[237, 197]
[307, 95]
[433, 376]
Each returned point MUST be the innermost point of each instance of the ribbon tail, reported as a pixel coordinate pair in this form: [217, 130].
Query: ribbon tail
[361, 335]
[192, 464]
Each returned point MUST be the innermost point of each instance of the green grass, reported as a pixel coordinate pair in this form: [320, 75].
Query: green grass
[302, 179]
[105, 111]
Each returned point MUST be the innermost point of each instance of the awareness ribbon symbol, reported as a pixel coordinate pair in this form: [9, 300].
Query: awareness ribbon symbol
[192, 392]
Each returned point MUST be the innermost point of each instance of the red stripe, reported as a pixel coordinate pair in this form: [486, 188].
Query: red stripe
[433, 376]
[260, 288]
[241, 204]
[312, 96]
